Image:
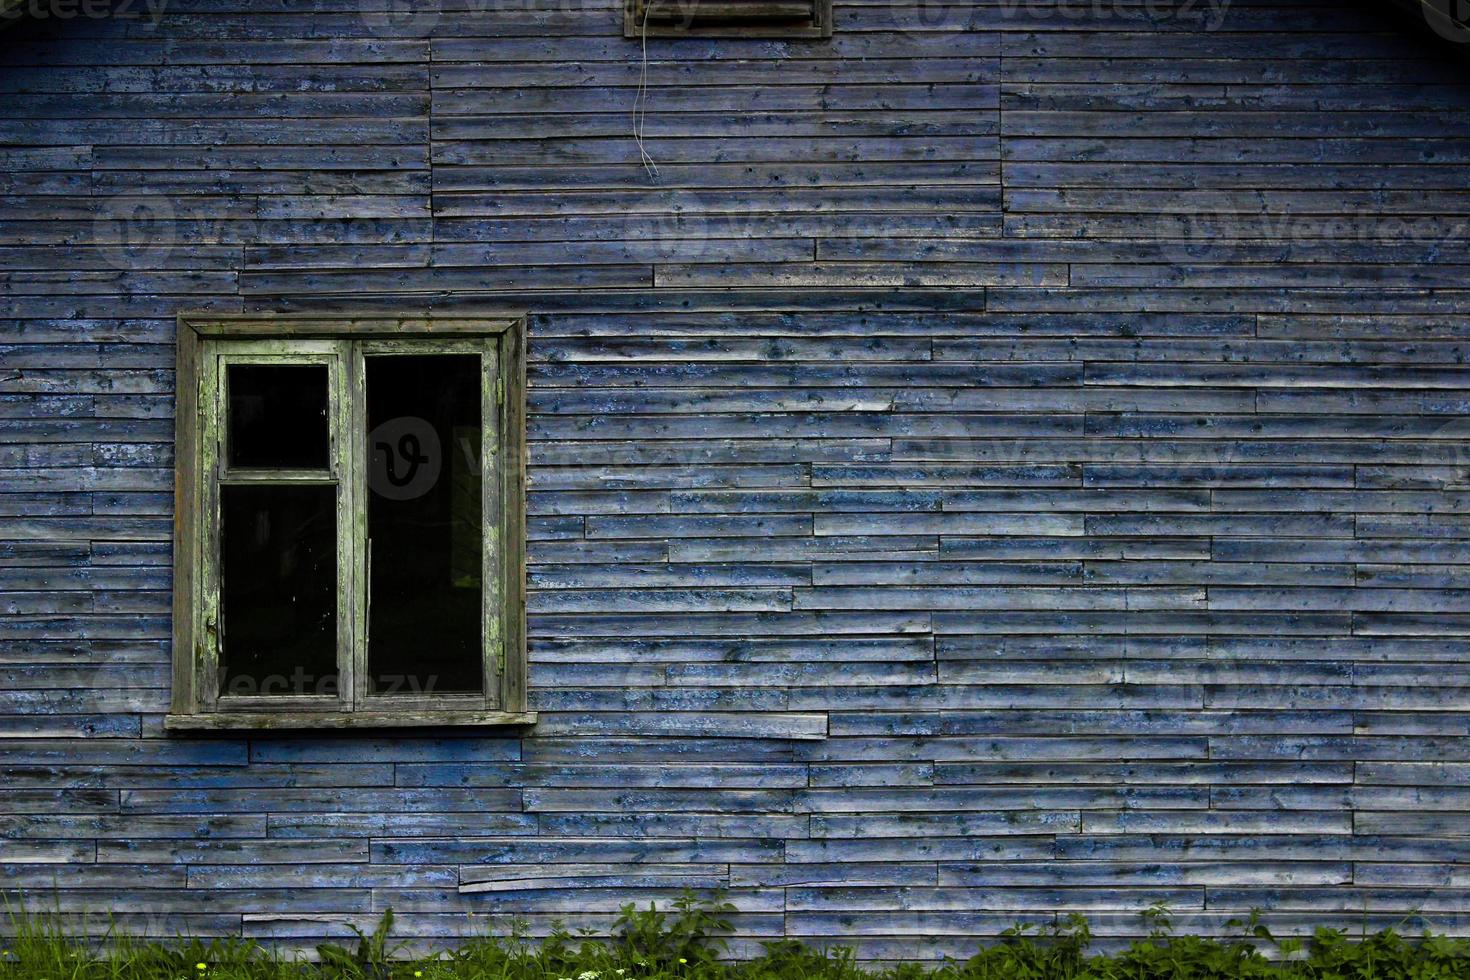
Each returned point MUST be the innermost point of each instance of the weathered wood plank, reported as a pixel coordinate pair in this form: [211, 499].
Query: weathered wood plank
[938, 518]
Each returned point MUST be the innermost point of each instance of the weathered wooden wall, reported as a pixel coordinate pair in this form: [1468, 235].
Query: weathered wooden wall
[1013, 461]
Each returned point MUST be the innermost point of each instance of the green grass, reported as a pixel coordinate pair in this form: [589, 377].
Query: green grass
[686, 945]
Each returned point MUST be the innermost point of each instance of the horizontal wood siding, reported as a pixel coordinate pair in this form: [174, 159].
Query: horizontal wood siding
[1013, 461]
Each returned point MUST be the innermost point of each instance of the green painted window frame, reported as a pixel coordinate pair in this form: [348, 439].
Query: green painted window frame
[206, 342]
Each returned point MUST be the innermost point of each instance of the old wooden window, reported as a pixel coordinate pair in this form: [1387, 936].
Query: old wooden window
[727, 18]
[350, 523]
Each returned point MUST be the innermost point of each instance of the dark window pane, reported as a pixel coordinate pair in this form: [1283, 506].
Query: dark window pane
[278, 592]
[424, 524]
[278, 416]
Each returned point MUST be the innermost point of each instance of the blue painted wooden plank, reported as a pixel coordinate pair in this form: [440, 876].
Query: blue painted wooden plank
[918, 544]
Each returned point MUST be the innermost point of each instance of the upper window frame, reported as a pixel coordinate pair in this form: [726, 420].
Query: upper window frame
[637, 22]
[205, 341]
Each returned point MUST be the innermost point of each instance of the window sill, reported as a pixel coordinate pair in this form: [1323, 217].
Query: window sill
[262, 721]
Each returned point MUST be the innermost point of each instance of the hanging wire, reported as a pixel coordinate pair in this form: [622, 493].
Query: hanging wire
[640, 100]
